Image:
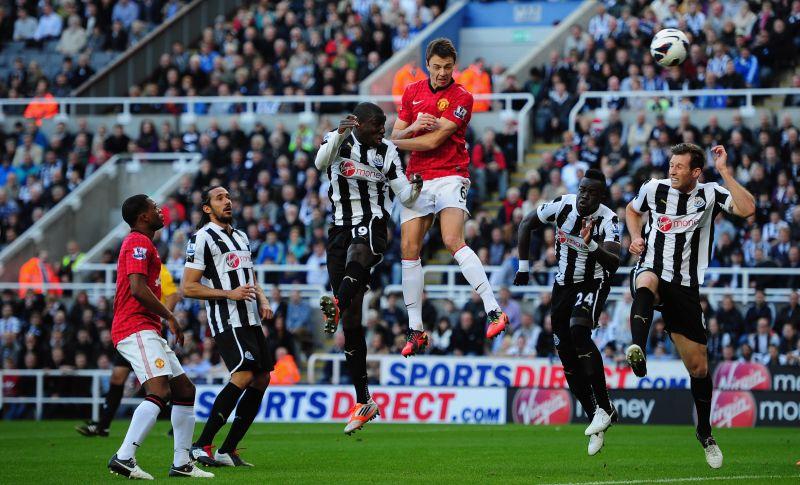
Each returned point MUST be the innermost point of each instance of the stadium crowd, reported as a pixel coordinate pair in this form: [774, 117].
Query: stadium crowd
[65, 41]
[733, 44]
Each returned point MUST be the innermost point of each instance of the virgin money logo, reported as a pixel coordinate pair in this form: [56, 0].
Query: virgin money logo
[542, 406]
[664, 224]
[348, 168]
[742, 376]
[677, 224]
[233, 261]
[733, 409]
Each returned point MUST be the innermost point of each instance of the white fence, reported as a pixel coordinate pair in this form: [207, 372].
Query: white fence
[250, 108]
[95, 399]
[449, 288]
[747, 110]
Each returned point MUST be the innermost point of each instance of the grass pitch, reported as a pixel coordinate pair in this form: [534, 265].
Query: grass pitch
[52, 452]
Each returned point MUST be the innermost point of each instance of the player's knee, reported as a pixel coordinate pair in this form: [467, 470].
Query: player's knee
[580, 331]
[242, 378]
[261, 381]
[453, 242]
[410, 249]
[698, 368]
[648, 280]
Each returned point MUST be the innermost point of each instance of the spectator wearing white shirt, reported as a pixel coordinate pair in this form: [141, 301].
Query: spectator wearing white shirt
[720, 60]
[530, 333]
[50, 25]
[25, 27]
[317, 263]
[573, 171]
[74, 37]
[695, 18]
[401, 39]
[600, 24]
[9, 323]
[126, 12]
[762, 339]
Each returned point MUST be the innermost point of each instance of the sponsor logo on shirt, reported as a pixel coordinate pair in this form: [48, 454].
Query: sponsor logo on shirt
[355, 170]
[238, 260]
[460, 112]
[677, 224]
[139, 253]
[442, 104]
[574, 242]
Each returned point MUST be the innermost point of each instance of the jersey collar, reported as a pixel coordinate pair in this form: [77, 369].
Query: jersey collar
[220, 228]
[436, 90]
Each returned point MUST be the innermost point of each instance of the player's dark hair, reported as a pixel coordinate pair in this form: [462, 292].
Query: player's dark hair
[595, 174]
[697, 155]
[205, 218]
[441, 47]
[133, 207]
[367, 111]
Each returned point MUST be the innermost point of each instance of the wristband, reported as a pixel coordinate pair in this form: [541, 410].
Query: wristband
[524, 266]
[593, 246]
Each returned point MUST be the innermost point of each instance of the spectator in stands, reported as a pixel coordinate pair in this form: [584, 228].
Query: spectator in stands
[489, 162]
[117, 142]
[37, 274]
[477, 81]
[125, 12]
[758, 309]
[73, 38]
[467, 338]
[760, 340]
[25, 27]
[41, 107]
[117, 39]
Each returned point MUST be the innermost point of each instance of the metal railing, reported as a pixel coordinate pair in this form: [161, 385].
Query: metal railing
[675, 96]
[449, 288]
[96, 399]
[248, 111]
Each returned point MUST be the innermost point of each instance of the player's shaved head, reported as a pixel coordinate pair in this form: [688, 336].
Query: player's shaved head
[133, 207]
[368, 111]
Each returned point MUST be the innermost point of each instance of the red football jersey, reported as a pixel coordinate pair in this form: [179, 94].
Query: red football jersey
[137, 255]
[454, 103]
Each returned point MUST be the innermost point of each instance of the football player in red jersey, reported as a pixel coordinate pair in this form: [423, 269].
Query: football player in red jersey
[432, 123]
[136, 333]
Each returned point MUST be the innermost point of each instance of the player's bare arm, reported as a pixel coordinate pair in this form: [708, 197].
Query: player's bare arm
[430, 140]
[744, 204]
[634, 222]
[264, 308]
[191, 287]
[607, 254]
[424, 122]
[530, 223]
[326, 154]
[145, 296]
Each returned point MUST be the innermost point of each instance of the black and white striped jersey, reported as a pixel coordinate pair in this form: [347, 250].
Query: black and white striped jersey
[363, 182]
[572, 253]
[679, 232]
[226, 263]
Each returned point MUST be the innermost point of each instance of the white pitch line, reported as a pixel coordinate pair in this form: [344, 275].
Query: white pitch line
[676, 480]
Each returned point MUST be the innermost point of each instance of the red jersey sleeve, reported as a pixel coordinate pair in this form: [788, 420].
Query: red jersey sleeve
[136, 254]
[405, 112]
[460, 110]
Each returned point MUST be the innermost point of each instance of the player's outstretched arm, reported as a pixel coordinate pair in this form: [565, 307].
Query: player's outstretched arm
[529, 223]
[333, 140]
[430, 140]
[743, 203]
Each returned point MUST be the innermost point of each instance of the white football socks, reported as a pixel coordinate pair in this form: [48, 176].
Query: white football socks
[142, 421]
[412, 292]
[182, 430]
[473, 271]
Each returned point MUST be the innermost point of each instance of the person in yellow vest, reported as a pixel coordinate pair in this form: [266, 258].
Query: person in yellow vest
[409, 73]
[119, 374]
[476, 80]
